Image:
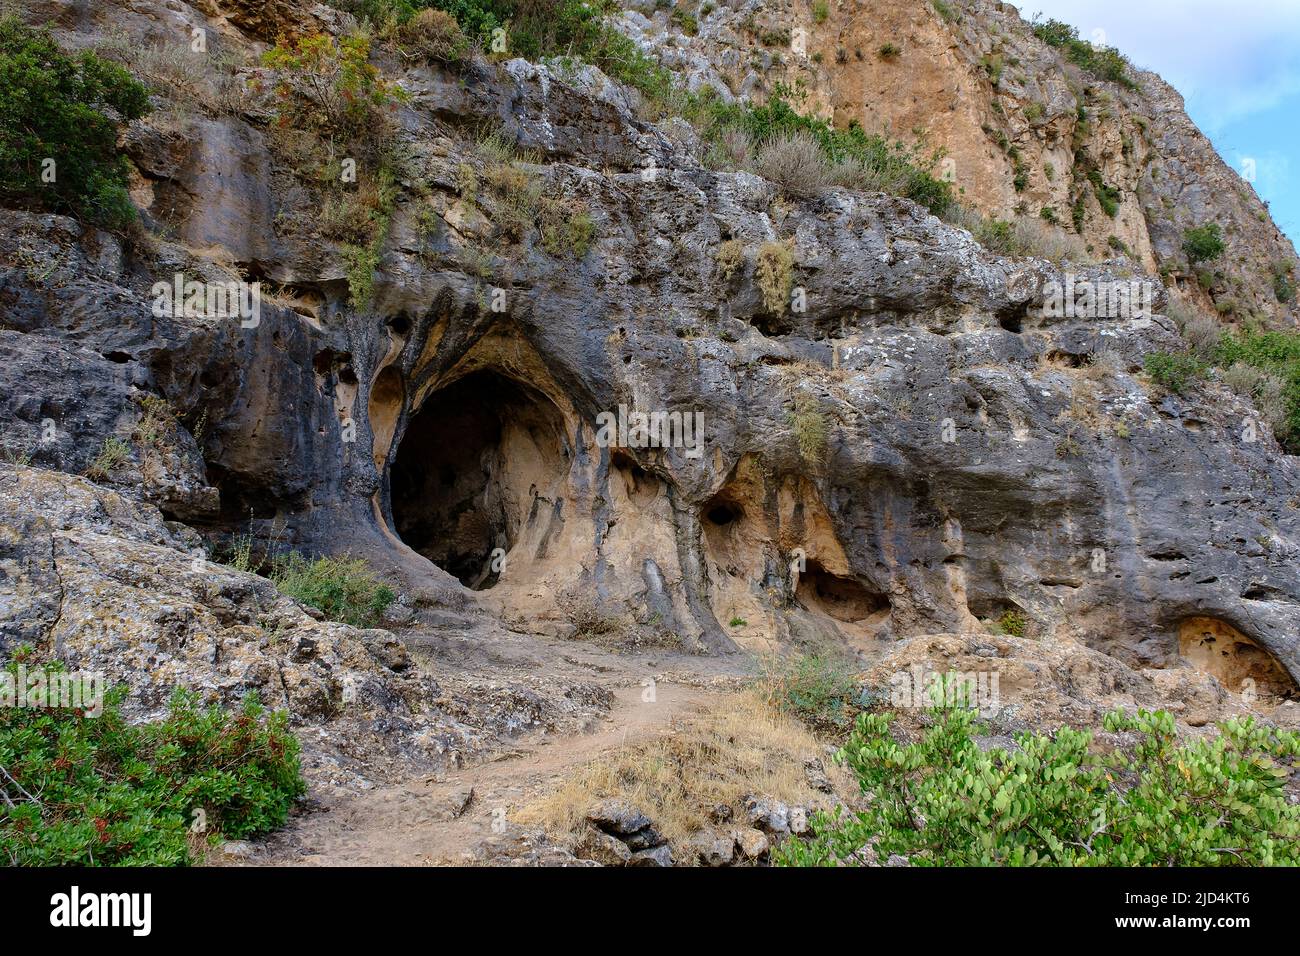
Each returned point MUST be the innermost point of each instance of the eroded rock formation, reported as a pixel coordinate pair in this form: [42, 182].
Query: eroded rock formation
[920, 450]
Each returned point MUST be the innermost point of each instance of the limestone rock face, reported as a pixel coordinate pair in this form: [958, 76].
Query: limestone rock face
[919, 448]
[1004, 107]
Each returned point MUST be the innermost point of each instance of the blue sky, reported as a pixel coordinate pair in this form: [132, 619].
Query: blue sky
[1236, 63]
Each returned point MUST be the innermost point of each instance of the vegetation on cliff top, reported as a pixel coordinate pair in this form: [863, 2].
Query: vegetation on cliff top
[1105, 62]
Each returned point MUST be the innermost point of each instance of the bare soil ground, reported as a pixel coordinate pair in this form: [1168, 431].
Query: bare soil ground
[464, 814]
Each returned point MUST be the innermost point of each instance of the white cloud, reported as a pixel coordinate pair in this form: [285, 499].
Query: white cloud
[1232, 59]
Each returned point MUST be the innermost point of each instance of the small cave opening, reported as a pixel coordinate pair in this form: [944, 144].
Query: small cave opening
[841, 598]
[642, 487]
[472, 467]
[1217, 648]
[1012, 317]
[734, 535]
[721, 514]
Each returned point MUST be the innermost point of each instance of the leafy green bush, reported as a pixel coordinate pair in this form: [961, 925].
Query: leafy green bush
[1276, 352]
[1174, 371]
[1102, 61]
[96, 791]
[1203, 243]
[65, 108]
[1013, 622]
[1057, 801]
[343, 589]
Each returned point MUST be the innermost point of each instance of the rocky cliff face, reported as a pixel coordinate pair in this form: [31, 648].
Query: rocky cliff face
[920, 448]
[1021, 127]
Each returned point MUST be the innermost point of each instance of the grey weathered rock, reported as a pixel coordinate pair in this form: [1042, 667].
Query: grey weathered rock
[655, 856]
[713, 847]
[603, 848]
[767, 814]
[618, 817]
[753, 843]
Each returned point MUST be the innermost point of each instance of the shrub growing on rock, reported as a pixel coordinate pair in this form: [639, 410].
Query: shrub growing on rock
[59, 119]
[435, 35]
[821, 691]
[795, 163]
[329, 84]
[343, 589]
[1174, 371]
[96, 791]
[1056, 800]
[1203, 243]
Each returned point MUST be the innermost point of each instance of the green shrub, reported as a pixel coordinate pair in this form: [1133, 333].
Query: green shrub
[1108, 196]
[566, 228]
[97, 791]
[1174, 371]
[1284, 285]
[1203, 243]
[1013, 623]
[890, 51]
[821, 9]
[112, 454]
[57, 106]
[821, 691]
[1102, 61]
[1056, 801]
[343, 589]
[1278, 353]
[686, 21]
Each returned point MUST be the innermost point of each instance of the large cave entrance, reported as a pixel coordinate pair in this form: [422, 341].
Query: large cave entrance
[479, 459]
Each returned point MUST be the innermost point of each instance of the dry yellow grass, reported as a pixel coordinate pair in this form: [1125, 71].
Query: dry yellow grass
[740, 746]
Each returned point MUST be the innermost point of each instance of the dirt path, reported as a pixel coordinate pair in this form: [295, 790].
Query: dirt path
[450, 819]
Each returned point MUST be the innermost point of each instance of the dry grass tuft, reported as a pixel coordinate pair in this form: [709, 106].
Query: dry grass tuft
[795, 163]
[740, 746]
